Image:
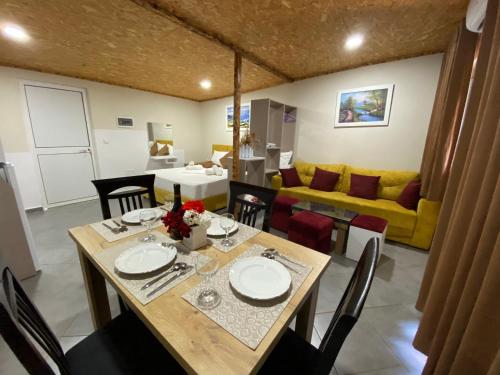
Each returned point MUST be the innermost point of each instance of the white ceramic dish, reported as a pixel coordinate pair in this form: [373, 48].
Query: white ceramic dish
[132, 217]
[259, 278]
[144, 258]
[215, 230]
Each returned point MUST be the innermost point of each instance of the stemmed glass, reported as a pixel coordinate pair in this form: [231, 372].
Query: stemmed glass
[147, 217]
[208, 297]
[227, 222]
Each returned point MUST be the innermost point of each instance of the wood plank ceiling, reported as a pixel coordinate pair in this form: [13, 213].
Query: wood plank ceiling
[141, 44]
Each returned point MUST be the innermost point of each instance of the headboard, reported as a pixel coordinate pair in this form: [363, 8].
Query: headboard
[165, 142]
[226, 148]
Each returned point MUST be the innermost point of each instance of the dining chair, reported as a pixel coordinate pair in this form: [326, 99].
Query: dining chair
[294, 355]
[247, 201]
[124, 346]
[129, 194]
[128, 191]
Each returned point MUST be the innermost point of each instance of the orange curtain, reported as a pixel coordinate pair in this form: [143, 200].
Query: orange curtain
[447, 113]
[460, 293]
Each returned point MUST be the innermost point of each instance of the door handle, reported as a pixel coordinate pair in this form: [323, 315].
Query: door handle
[84, 151]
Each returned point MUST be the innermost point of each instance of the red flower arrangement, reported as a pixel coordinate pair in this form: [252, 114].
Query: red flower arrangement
[197, 206]
[177, 225]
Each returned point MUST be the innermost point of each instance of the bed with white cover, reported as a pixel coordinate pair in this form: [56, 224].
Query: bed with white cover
[195, 184]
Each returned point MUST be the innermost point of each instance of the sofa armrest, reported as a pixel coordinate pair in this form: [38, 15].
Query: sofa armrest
[276, 182]
[427, 217]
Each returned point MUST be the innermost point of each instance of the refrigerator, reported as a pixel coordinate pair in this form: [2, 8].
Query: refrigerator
[17, 247]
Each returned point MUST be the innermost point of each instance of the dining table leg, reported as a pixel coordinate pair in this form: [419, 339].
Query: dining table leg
[97, 295]
[304, 324]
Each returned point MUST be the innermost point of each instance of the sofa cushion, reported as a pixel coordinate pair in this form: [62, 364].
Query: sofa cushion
[324, 180]
[364, 186]
[411, 195]
[401, 220]
[391, 183]
[306, 172]
[290, 177]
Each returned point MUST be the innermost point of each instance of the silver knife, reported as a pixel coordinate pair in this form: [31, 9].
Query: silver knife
[156, 279]
[163, 285]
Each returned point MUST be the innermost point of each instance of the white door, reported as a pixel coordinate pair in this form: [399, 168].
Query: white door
[58, 121]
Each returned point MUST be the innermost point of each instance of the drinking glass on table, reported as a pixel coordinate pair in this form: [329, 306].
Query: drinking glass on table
[147, 217]
[208, 297]
[227, 223]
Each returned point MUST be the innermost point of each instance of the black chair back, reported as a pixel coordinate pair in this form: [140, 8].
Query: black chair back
[18, 316]
[128, 200]
[349, 308]
[249, 200]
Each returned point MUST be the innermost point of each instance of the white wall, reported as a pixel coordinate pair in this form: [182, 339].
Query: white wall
[198, 125]
[397, 146]
[118, 151]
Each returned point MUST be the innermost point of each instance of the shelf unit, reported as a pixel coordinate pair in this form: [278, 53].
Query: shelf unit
[252, 170]
[272, 122]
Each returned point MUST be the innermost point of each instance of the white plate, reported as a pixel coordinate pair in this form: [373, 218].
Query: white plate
[216, 230]
[259, 278]
[132, 217]
[146, 257]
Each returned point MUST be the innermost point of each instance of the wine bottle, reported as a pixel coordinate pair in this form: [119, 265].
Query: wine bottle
[177, 198]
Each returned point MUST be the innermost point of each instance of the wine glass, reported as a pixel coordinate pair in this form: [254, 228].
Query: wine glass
[208, 297]
[227, 222]
[147, 217]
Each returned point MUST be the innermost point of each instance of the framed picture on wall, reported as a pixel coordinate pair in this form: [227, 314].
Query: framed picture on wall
[244, 117]
[364, 106]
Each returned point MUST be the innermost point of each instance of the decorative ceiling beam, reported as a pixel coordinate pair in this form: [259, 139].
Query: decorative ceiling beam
[170, 14]
[236, 117]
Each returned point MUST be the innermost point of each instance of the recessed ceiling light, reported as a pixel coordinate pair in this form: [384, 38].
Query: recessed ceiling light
[354, 41]
[15, 33]
[206, 84]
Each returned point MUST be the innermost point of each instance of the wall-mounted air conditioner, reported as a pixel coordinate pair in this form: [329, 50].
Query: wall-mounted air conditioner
[475, 15]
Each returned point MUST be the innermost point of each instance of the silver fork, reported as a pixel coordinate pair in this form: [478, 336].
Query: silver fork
[113, 230]
[123, 227]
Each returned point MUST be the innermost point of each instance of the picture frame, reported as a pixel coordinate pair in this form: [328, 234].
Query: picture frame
[364, 106]
[244, 117]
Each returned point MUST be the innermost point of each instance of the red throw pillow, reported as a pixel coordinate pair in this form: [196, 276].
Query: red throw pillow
[324, 180]
[364, 186]
[290, 177]
[410, 195]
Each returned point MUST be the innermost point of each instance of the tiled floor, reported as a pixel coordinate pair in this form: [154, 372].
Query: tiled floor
[379, 344]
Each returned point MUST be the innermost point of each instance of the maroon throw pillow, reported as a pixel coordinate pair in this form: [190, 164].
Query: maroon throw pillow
[364, 186]
[410, 195]
[324, 180]
[290, 177]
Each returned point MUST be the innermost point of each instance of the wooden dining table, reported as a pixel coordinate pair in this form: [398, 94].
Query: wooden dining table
[195, 341]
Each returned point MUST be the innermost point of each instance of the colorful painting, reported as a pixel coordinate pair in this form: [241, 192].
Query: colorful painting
[244, 116]
[366, 106]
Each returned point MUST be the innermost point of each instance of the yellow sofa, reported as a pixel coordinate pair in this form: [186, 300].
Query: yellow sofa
[414, 228]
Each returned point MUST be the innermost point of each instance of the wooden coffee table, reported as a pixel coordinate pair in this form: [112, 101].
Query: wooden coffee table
[342, 217]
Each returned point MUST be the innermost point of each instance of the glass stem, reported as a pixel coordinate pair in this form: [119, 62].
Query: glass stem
[227, 233]
[205, 282]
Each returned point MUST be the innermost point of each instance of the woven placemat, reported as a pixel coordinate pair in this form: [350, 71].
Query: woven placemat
[133, 283]
[247, 320]
[244, 233]
[109, 236]
[112, 237]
